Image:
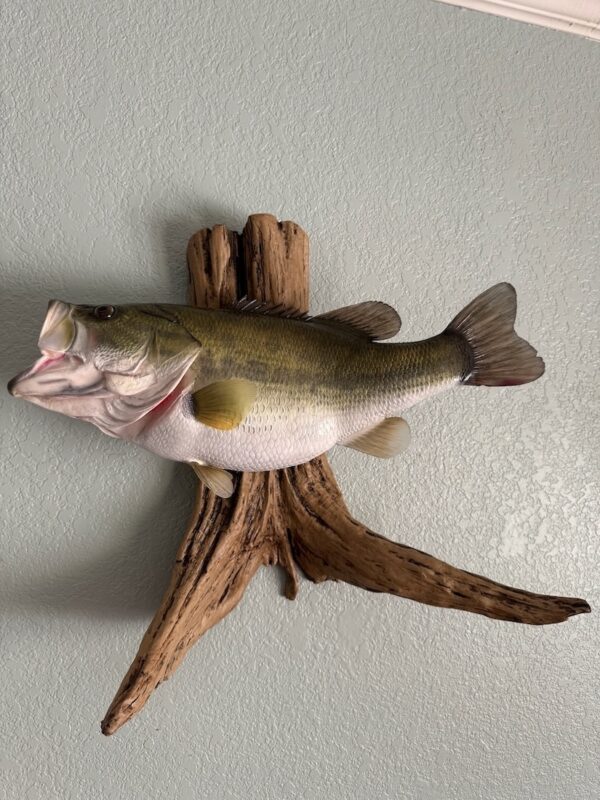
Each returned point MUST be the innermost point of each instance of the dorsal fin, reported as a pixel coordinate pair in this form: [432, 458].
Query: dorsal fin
[260, 307]
[373, 319]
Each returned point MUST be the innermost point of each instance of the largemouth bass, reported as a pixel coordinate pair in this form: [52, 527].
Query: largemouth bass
[248, 389]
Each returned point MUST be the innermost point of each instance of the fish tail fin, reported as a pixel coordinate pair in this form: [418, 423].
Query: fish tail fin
[498, 356]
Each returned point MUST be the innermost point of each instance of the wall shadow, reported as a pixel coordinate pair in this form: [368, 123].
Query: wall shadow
[129, 579]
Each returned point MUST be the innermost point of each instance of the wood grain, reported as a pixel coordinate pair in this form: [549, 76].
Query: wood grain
[289, 516]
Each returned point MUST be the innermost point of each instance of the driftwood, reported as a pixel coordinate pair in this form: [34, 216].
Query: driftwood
[290, 516]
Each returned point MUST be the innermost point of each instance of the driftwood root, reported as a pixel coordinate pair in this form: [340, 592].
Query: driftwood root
[292, 516]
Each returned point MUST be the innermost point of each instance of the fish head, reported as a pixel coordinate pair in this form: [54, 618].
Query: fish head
[109, 365]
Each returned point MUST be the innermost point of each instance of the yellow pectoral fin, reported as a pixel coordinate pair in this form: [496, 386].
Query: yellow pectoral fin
[224, 404]
[386, 439]
[218, 480]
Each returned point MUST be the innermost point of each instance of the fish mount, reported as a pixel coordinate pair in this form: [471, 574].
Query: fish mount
[289, 516]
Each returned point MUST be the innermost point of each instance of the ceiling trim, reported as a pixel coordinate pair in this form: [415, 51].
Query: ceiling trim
[574, 16]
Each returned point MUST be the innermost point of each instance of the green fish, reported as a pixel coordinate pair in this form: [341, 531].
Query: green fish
[249, 389]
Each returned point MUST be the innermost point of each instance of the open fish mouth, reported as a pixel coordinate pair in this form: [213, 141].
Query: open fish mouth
[59, 372]
[57, 375]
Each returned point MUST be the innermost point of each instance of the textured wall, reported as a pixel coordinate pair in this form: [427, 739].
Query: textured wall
[429, 153]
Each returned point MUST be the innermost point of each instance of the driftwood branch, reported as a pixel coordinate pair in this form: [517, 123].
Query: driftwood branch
[289, 516]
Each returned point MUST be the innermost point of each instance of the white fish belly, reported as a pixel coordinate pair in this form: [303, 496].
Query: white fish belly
[260, 443]
[269, 440]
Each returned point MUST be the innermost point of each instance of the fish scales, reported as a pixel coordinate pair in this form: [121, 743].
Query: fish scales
[316, 387]
[247, 390]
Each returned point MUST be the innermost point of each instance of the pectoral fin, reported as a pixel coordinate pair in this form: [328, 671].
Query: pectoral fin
[218, 480]
[224, 404]
[386, 439]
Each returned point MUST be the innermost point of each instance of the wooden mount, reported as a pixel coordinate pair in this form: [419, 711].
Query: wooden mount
[288, 516]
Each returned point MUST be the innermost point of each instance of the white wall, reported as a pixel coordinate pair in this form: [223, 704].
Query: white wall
[429, 153]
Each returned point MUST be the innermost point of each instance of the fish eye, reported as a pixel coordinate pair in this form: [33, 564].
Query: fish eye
[104, 312]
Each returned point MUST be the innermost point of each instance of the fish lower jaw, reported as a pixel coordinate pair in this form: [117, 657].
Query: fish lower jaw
[52, 375]
[48, 358]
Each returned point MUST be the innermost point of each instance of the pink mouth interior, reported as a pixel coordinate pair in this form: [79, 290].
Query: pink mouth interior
[46, 361]
[49, 360]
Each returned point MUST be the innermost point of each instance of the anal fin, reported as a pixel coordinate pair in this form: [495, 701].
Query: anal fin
[218, 480]
[384, 440]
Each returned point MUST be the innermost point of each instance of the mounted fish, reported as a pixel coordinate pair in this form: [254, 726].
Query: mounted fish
[247, 389]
